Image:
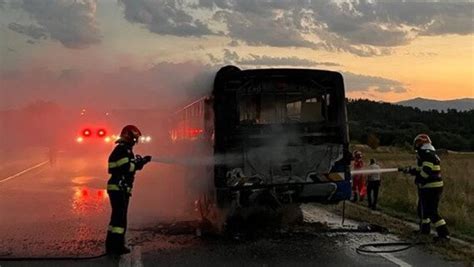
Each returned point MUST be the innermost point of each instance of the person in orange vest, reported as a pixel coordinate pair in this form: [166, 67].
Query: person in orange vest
[359, 188]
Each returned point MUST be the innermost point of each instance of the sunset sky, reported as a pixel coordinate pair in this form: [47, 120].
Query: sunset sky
[131, 53]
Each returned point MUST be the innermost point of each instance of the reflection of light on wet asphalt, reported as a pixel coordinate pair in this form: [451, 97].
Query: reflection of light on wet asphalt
[82, 180]
[89, 201]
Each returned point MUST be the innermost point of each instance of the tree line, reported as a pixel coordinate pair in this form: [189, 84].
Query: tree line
[377, 123]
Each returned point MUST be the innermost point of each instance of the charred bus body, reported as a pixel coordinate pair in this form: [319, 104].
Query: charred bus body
[277, 137]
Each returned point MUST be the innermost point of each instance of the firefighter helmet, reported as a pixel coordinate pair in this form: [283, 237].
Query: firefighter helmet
[420, 140]
[130, 134]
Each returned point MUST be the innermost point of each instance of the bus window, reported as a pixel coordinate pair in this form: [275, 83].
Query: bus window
[281, 108]
[311, 110]
[248, 109]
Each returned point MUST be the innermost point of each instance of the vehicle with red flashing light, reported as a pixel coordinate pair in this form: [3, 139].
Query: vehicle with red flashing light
[100, 127]
[92, 134]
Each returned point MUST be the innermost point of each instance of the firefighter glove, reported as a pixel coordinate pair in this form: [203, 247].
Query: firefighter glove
[405, 169]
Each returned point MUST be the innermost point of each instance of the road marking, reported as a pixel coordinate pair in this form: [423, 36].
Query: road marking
[125, 260]
[132, 259]
[137, 257]
[24, 171]
[397, 261]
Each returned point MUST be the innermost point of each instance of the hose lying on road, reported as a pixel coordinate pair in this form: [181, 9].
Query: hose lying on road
[70, 258]
[402, 246]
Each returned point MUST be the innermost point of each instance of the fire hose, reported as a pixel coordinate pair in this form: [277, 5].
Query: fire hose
[399, 246]
[68, 258]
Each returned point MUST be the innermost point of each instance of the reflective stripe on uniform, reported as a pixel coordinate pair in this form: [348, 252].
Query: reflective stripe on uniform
[424, 174]
[433, 184]
[431, 166]
[116, 229]
[132, 167]
[114, 187]
[118, 163]
[440, 223]
[425, 221]
[427, 164]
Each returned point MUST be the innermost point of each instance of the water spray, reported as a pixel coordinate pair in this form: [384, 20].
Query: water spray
[373, 171]
[206, 160]
[198, 161]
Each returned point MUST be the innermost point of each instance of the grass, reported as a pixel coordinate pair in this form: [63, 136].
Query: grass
[398, 194]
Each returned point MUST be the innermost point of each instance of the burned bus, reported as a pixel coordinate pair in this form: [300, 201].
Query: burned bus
[276, 137]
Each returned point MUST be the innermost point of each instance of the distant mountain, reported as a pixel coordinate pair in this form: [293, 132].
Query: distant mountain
[462, 104]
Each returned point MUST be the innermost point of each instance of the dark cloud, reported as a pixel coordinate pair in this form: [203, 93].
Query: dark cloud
[32, 31]
[260, 30]
[358, 82]
[164, 17]
[72, 23]
[393, 23]
[363, 28]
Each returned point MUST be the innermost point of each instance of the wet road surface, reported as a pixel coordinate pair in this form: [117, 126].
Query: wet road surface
[63, 210]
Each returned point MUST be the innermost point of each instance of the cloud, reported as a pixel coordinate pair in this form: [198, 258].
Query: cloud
[72, 23]
[381, 24]
[259, 30]
[358, 82]
[363, 28]
[30, 31]
[257, 60]
[233, 58]
[164, 17]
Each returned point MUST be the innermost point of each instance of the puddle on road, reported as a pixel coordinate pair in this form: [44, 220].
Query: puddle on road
[89, 201]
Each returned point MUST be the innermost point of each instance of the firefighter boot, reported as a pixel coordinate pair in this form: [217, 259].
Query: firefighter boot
[425, 228]
[114, 244]
[443, 233]
[124, 250]
[111, 243]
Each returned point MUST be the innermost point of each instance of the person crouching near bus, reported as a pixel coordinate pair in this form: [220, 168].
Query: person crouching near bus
[122, 166]
[430, 186]
[373, 185]
[359, 189]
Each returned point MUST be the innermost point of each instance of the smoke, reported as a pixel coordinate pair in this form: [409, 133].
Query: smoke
[162, 86]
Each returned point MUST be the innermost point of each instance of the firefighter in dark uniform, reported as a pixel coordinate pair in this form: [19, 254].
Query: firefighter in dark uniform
[122, 166]
[430, 186]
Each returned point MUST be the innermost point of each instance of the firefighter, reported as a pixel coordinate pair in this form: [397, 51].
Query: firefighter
[359, 189]
[430, 186]
[122, 166]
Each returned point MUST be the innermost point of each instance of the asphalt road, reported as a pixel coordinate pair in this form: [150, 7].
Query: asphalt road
[63, 210]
